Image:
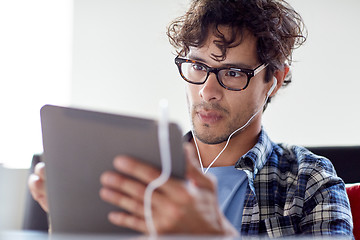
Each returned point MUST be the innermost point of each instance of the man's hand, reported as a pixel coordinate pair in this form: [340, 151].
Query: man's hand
[36, 184]
[178, 206]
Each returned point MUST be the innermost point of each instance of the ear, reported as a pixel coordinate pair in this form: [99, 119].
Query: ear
[280, 76]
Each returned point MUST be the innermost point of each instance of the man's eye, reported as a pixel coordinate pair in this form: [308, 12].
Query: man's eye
[235, 74]
[198, 67]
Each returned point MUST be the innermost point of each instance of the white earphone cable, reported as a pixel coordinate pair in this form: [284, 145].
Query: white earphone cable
[165, 154]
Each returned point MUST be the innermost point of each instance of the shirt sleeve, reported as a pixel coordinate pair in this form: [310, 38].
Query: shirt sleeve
[326, 209]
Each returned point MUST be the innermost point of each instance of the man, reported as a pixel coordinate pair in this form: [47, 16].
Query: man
[233, 55]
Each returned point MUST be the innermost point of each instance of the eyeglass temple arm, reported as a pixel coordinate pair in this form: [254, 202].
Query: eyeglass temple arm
[259, 69]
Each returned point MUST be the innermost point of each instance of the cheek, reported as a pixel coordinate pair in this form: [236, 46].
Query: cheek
[241, 106]
[189, 98]
[192, 94]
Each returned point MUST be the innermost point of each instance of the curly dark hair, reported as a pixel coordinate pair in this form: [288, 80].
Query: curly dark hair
[276, 25]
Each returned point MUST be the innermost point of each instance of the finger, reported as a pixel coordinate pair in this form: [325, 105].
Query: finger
[160, 204]
[40, 170]
[193, 171]
[173, 189]
[36, 186]
[123, 184]
[122, 201]
[190, 153]
[37, 190]
[134, 191]
[145, 173]
[129, 221]
[136, 169]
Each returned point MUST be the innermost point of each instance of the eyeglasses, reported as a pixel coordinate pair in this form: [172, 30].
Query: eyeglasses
[234, 79]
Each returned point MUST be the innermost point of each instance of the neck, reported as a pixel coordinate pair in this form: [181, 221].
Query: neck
[239, 144]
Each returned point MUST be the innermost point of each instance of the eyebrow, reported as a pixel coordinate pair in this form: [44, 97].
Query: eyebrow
[226, 65]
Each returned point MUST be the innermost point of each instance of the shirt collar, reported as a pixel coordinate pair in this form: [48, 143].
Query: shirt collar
[255, 159]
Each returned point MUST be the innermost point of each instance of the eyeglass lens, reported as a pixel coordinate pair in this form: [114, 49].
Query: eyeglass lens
[197, 73]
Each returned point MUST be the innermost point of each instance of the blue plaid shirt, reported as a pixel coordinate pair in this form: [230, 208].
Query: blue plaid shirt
[292, 191]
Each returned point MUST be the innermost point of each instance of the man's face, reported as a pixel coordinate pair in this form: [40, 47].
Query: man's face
[216, 112]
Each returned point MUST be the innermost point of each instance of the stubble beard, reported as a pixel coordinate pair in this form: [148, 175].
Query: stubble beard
[207, 135]
[209, 138]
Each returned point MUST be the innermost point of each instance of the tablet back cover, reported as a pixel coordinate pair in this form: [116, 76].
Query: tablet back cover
[79, 145]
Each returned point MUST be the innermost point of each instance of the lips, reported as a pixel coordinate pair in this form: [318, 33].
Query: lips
[209, 117]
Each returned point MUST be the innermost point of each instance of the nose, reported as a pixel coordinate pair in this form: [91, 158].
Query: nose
[211, 90]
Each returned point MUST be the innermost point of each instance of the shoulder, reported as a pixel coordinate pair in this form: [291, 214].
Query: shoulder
[304, 173]
[301, 160]
[313, 184]
[313, 180]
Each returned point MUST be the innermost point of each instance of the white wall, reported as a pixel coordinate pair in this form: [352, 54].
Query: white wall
[35, 57]
[321, 107]
[122, 62]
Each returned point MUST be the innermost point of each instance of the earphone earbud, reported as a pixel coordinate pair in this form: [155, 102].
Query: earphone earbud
[272, 87]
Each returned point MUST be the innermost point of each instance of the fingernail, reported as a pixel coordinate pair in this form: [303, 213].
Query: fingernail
[122, 162]
[104, 179]
[113, 217]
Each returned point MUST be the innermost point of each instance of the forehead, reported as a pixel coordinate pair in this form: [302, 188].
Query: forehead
[243, 49]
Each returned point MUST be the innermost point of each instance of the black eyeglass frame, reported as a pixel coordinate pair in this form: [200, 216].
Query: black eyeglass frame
[249, 72]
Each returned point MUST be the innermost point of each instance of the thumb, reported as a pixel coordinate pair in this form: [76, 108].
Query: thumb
[194, 172]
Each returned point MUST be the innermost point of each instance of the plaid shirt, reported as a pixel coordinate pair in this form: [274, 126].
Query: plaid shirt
[292, 191]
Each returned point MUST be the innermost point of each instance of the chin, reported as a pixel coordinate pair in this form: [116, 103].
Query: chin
[209, 138]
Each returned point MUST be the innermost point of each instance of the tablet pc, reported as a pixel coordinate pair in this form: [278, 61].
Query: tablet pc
[79, 145]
